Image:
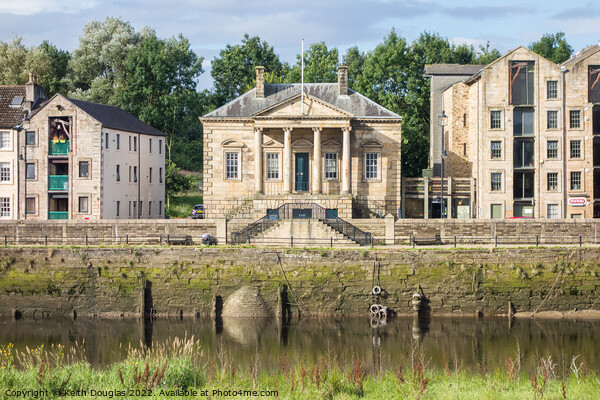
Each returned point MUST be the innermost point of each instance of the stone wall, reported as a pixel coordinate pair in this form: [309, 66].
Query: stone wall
[104, 231]
[46, 282]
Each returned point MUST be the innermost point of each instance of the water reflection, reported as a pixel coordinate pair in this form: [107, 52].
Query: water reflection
[477, 344]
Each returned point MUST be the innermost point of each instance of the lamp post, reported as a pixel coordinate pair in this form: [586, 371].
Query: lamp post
[442, 118]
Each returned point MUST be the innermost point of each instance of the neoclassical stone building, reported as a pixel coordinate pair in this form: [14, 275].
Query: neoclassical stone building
[275, 144]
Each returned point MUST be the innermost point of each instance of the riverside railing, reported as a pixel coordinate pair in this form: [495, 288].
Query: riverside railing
[94, 239]
[301, 211]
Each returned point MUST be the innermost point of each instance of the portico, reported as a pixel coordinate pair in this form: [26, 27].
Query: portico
[303, 159]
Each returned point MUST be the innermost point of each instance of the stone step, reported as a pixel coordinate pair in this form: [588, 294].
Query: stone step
[305, 232]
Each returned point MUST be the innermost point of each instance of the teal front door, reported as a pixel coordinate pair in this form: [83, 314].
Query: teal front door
[301, 172]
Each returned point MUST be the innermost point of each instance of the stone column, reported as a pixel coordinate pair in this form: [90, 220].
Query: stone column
[317, 161]
[258, 160]
[287, 160]
[346, 160]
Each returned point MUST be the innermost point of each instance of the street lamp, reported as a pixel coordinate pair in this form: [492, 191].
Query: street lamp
[442, 119]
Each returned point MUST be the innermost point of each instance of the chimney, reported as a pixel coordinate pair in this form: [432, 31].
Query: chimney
[260, 82]
[30, 87]
[343, 80]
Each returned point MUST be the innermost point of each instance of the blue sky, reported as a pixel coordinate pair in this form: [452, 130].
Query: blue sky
[210, 25]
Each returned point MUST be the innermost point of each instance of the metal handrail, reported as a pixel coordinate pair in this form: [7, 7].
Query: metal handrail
[372, 207]
[301, 211]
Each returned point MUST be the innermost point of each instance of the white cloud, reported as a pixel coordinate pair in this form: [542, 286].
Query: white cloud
[33, 7]
[468, 41]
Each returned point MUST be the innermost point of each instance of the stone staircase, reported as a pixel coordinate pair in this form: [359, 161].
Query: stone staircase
[302, 232]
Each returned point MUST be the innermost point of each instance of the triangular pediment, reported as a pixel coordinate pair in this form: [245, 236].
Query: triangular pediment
[313, 107]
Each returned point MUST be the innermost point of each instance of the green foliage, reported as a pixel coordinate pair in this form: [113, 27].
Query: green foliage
[175, 181]
[18, 60]
[160, 88]
[234, 70]
[392, 75]
[320, 65]
[554, 47]
[56, 80]
[98, 65]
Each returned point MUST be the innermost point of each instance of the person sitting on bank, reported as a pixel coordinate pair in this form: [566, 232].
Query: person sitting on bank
[206, 239]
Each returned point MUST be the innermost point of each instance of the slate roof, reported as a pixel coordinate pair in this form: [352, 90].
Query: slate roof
[588, 51]
[452, 69]
[115, 118]
[247, 105]
[10, 116]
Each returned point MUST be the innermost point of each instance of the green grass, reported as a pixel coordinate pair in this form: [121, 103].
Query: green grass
[181, 365]
[183, 203]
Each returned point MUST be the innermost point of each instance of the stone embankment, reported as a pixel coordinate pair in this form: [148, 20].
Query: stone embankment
[40, 282]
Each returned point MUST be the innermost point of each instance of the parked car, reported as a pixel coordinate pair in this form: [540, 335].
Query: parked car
[198, 211]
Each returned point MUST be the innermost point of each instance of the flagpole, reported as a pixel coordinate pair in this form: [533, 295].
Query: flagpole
[302, 82]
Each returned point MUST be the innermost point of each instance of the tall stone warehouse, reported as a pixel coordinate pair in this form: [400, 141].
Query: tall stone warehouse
[528, 131]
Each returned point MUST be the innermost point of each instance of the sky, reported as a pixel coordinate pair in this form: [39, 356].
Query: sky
[211, 25]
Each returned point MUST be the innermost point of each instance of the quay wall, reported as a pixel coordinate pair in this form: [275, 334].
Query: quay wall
[42, 282]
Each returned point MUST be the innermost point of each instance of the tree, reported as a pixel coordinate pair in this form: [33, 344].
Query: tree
[234, 70]
[56, 80]
[160, 89]
[553, 47]
[18, 60]
[175, 181]
[355, 60]
[486, 56]
[320, 65]
[98, 64]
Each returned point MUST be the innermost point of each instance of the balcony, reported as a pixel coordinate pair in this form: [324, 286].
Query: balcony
[58, 182]
[59, 148]
[58, 215]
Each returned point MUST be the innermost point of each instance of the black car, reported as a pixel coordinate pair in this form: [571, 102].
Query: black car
[198, 211]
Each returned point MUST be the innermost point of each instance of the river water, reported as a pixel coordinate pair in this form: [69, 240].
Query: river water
[479, 345]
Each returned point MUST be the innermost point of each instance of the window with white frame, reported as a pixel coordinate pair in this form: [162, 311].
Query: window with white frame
[552, 211]
[552, 181]
[4, 206]
[272, 165]
[4, 140]
[495, 119]
[552, 89]
[576, 180]
[371, 165]
[575, 119]
[4, 172]
[496, 179]
[552, 149]
[331, 165]
[496, 148]
[552, 122]
[232, 165]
